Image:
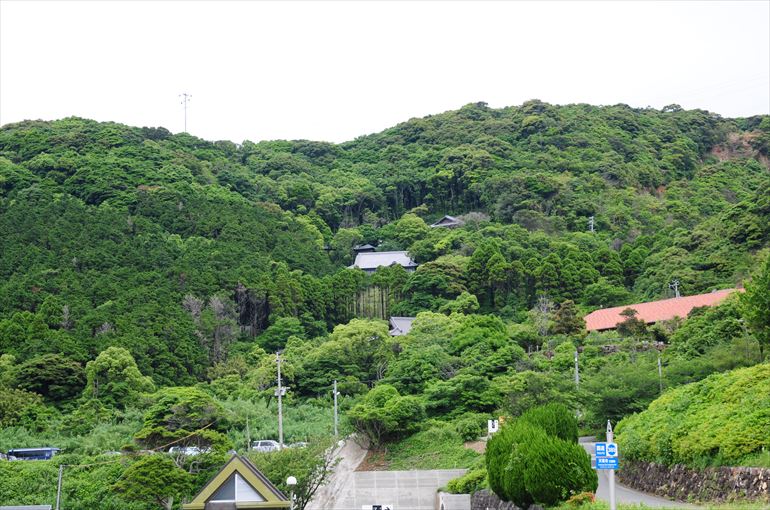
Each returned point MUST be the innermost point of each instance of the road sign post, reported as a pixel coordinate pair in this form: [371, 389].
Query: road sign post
[611, 443]
[607, 458]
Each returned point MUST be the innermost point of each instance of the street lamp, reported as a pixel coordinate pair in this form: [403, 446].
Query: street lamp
[291, 482]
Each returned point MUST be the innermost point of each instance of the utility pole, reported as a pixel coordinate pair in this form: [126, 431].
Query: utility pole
[58, 487]
[591, 224]
[675, 286]
[611, 474]
[577, 371]
[248, 435]
[336, 420]
[279, 394]
[660, 373]
[185, 99]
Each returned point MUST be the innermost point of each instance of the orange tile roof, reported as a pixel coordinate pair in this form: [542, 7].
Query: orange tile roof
[654, 311]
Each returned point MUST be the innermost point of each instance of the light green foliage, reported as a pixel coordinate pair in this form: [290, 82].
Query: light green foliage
[154, 480]
[755, 303]
[409, 229]
[21, 408]
[384, 414]
[114, 378]
[470, 482]
[438, 446]
[360, 349]
[274, 338]
[719, 420]
[311, 466]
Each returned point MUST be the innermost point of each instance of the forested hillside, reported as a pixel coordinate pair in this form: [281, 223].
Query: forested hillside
[144, 272]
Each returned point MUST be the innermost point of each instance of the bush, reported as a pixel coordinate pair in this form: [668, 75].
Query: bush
[555, 470]
[556, 419]
[470, 482]
[526, 465]
[471, 426]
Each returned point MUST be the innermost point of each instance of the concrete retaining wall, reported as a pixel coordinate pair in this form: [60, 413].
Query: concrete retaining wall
[710, 484]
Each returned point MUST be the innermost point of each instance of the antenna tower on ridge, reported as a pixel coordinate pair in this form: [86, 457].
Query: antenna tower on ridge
[185, 99]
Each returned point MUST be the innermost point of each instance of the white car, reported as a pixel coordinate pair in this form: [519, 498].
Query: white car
[265, 445]
[187, 450]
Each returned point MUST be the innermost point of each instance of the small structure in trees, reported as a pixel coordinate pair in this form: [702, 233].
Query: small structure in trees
[400, 326]
[363, 248]
[239, 484]
[370, 261]
[448, 222]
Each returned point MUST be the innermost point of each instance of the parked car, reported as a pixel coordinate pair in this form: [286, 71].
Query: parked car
[188, 450]
[265, 445]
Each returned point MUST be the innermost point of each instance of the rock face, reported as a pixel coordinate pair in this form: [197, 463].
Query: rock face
[488, 500]
[710, 484]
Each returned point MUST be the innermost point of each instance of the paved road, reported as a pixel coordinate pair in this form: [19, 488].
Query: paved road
[625, 494]
[350, 455]
[349, 489]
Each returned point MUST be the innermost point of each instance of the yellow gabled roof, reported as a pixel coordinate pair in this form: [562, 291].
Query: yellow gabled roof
[274, 498]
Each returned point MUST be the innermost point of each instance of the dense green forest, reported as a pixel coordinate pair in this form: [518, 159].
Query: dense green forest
[147, 278]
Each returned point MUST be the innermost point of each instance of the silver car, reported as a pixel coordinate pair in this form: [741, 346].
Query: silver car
[265, 445]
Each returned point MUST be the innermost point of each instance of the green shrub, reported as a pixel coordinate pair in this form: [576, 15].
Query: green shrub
[526, 465]
[471, 426]
[555, 470]
[556, 419]
[469, 483]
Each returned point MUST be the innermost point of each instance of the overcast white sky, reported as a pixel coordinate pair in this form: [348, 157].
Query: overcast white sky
[336, 70]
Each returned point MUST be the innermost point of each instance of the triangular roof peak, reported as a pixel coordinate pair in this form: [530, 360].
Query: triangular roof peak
[448, 221]
[257, 483]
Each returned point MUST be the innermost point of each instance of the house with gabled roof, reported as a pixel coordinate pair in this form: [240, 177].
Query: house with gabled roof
[370, 261]
[655, 311]
[239, 484]
[400, 326]
[448, 222]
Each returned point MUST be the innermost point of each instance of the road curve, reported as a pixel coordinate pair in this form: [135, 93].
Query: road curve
[625, 494]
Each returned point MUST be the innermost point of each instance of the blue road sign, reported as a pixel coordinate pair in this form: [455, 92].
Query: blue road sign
[607, 463]
[612, 450]
[601, 450]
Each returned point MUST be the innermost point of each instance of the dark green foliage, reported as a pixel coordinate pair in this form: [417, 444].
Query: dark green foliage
[53, 376]
[154, 480]
[567, 321]
[185, 416]
[556, 419]
[556, 470]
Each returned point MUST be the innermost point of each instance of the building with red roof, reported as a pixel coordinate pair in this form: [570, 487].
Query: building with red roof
[655, 311]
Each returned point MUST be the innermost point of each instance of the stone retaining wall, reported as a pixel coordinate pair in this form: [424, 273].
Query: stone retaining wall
[710, 484]
[488, 500]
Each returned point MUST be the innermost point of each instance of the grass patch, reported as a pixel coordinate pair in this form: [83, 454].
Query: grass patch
[438, 447]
